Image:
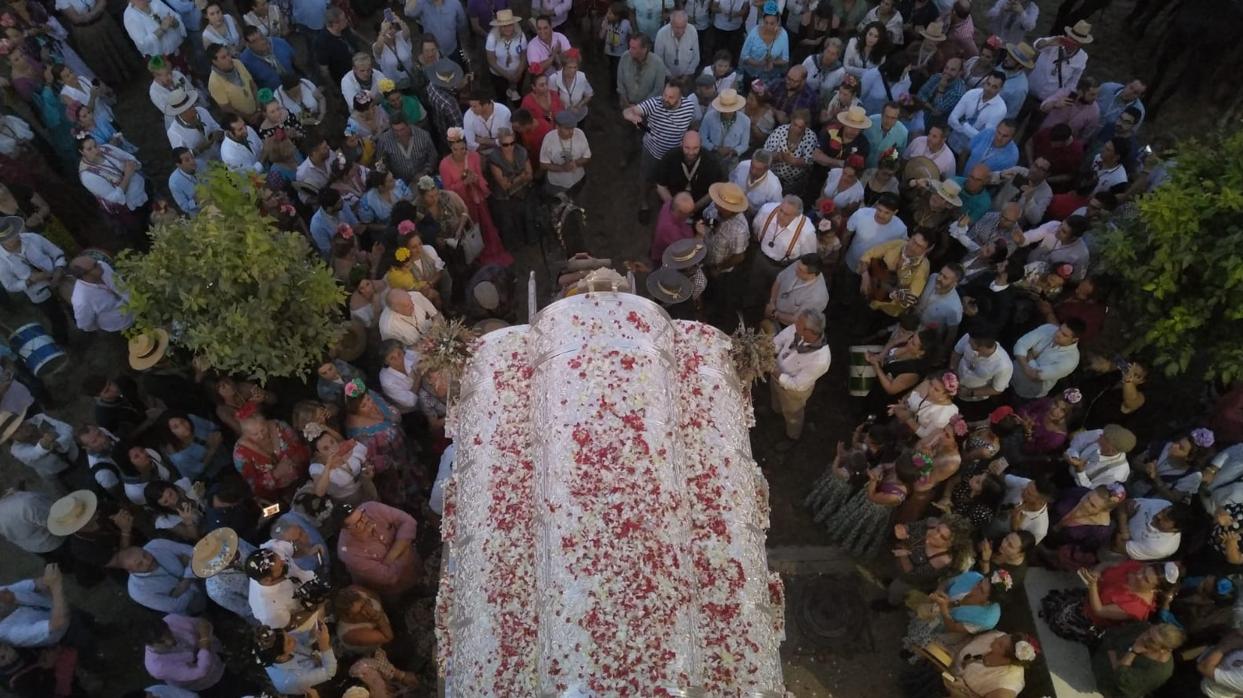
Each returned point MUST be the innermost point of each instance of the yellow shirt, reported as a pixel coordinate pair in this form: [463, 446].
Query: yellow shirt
[912, 275]
[404, 279]
[243, 98]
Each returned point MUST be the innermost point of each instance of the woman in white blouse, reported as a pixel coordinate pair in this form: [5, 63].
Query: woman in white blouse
[82, 90]
[393, 52]
[221, 29]
[844, 186]
[399, 379]
[268, 17]
[506, 50]
[303, 99]
[571, 83]
[867, 49]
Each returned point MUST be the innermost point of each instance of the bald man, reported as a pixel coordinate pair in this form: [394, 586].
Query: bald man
[673, 223]
[407, 315]
[691, 169]
[976, 200]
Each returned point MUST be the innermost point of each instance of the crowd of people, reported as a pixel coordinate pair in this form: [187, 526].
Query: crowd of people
[887, 176]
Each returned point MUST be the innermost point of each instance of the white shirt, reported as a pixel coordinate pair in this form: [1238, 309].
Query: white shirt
[274, 606]
[398, 387]
[1227, 681]
[408, 329]
[572, 93]
[198, 141]
[142, 30]
[477, 127]
[242, 156]
[232, 36]
[29, 625]
[868, 234]
[394, 59]
[1098, 469]
[730, 14]
[842, 199]
[1034, 522]
[944, 158]
[974, 113]
[765, 191]
[783, 243]
[13, 133]
[305, 105]
[1052, 362]
[343, 482]
[798, 371]
[1107, 179]
[159, 94]
[825, 81]
[47, 463]
[680, 55]
[1148, 543]
[555, 150]
[930, 417]
[508, 52]
[1043, 81]
[350, 87]
[975, 371]
[23, 522]
[97, 306]
[106, 188]
[37, 253]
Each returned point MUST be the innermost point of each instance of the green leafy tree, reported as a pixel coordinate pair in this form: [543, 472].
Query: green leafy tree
[1179, 257]
[242, 295]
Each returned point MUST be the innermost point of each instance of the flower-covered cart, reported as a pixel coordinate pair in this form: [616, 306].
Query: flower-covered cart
[605, 523]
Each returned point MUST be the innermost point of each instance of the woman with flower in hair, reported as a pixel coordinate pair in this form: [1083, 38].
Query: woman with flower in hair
[368, 120]
[975, 497]
[871, 445]
[1111, 595]
[1005, 561]
[861, 525]
[270, 455]
[372, 421]
[1080, 525]
[929, 407]
[843, 186]
[417, 267]
[1046, 426]
[993, 664]
[462, 173]
[98, 125]
[765, 54]
[938, 458]
[339, 466]
[960, 606]
[1174, 470]
[881, 179]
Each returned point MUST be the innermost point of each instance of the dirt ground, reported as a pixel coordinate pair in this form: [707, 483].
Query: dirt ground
[612, 231]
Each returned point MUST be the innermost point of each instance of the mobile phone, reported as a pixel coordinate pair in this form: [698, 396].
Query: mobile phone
[388, 14]
[319, 557]
[271, 510]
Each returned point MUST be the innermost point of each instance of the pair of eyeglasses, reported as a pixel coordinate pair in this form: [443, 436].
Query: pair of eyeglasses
[506, 145]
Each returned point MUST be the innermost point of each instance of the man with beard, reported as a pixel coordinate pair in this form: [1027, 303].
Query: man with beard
[1076, 107]
[978, 110]
[183, 182]
[241, 148]
[688, 169]
[757, 180]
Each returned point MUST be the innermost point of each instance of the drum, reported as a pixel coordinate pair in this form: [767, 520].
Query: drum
[862, 375]
[37, 349]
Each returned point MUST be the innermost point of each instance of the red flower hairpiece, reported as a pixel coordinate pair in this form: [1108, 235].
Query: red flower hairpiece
[250, 409]
[345, 231]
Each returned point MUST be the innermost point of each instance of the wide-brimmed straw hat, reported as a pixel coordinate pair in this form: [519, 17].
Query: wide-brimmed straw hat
[668, 287]
[1023, 54]
[1081, 32]
[181, 101]
[504, 18]
[920, 168]
[147, 349]
[935, 31]
[70, 513]
[10, 421]
[948, 190]
[728, 197]
[684, 253]
[855, 117]
[214, 552]
[729, 101]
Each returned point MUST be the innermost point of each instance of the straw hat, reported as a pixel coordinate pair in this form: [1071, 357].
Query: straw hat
[855, 117]
[1081, 32]
[728, 197]
[1023, 53]
[9, 422]
[352, 343]
[180, 101]
[668, 286]
[71, 512]
[11, 227]
[684, 253]
[729, 101]
[935, 31]
[146, 349]
[504, 18]
[948, 190]
[214, 552]
[921, 168]
[489, 325]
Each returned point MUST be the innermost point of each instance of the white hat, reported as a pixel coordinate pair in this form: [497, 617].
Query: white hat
[70, 513]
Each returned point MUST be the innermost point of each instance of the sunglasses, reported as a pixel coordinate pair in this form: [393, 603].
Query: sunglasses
[508, 144]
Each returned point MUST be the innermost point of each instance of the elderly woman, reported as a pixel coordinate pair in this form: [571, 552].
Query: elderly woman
[339, 467]
[843, 186]
[1136, 659]
[766, 52]
[570, 84]
[1080, 525]
[509, 166]
[991, 665]
[269, 455]
[372, 421]
[959, 607]
[192, 445]
[376, 545]
[1114, 594]
[462, 173]
[362, 625]
[792, 146]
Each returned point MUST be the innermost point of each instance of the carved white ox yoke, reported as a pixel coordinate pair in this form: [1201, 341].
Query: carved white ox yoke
[604, 525]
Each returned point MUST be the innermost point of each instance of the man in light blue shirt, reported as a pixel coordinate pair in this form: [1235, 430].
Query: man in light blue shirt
[295, 666]
[725, 130]
[183, 181]
[161, 577]
[1014, 91]
[994, 147]
[886, 132]
[309, 13]
[1114, 98]
[332, 212]
[443, 19]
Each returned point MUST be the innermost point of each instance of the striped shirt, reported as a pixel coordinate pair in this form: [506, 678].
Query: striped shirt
[665, 126]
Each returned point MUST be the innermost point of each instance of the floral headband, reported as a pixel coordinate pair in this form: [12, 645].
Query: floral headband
[402, 254]
[387, 86]
[1204, 438]
[949, 379]
[355, 388]
[826, 206]
[923, 461]
[250, 409]
[455, 134]
[1072, 396]
[1027, 649]
[1064, 270]
[346, 231]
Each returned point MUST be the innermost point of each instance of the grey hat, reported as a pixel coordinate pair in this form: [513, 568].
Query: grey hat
[11, 227]
[684, 253]
[668, 287]
[566, 118]
[445, 73]
[704, 80]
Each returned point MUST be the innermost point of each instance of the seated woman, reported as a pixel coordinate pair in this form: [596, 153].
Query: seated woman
[959, 607]
[1080, 525]
[1044, 433]
[176, 511]
[362, 625]
[1136, 659]
[192, 445]
[1174, 470]
[1113, 594]
[270, 455]
[992, 665]
[338, 467]
[922, 551]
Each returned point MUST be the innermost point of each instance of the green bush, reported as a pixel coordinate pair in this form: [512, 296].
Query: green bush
[1180, 262]
[240, 294]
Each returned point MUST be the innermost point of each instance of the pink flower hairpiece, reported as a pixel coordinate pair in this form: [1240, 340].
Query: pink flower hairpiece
[1064, 270]
[949, 379]
[405, 227]
[1002, 579]
[1204, 438]
[1072, 396]
[345, 231]
[355, 388]
[287, 209]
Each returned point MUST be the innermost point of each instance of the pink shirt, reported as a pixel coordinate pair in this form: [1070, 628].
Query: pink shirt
[1083, 119]
[363, 553]
[538, 51]
[668, 231]
[186, 666]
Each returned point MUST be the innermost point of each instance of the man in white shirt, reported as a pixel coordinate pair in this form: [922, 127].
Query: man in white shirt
[869, 227]
[1044, 356]
[802, 357]
[564, 154]
[784, 234]
[757, 180]
[1098, 456]
[978, 110]
[482, 121]
[31, 264]
[406, 316]
[33, 612]
[273, 583]
[241, 148]
[1150, 529]
[46, 446]
[677, 44]
[984, 370]
[154, 28]
[932, 146]
[362, 78]
[23, 521]
[193, 127]
[97, 303]
[1060, 63]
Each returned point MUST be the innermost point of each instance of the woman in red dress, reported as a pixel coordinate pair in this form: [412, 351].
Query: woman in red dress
[543, 103]
[461, 172]
[271, 456]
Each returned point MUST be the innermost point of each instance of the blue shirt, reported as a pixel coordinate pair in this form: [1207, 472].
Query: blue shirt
[324, 226]
[1111, 107]
[182, 186]
[191, 461]
[878, 143]
[305, 670]
[310, 563]
[974, 205]
[754, 49]
[310, 13]
[1014, 92]
[712, 132]
[443, 20]
[997, 159]
[262, 71]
